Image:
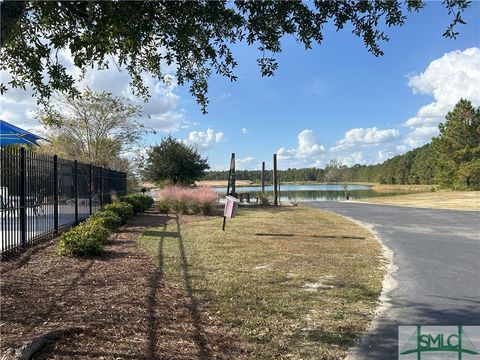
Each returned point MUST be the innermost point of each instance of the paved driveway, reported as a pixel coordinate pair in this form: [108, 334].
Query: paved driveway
[437, 253]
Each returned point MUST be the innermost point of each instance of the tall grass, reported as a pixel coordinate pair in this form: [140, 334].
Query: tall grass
[184, 200]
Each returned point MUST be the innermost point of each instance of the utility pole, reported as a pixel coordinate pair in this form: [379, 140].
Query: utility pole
[275, 180]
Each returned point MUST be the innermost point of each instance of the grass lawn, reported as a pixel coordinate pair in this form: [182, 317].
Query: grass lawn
[444, 199]
[295, 283]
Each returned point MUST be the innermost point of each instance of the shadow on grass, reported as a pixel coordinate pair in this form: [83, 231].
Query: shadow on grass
[198, 336]
[313, 236]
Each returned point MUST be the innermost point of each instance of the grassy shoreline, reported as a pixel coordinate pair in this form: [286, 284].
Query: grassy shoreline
[293, 282]
[443, 199]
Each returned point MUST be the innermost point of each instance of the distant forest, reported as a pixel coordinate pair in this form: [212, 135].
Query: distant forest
[413, 167]
[451, 160]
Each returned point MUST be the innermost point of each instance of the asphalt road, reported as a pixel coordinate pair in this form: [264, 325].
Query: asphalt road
[437, 254]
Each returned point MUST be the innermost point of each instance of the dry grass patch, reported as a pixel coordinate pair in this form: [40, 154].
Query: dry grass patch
[401, 188]
[296, 283]
[456, 200]
[222, 183]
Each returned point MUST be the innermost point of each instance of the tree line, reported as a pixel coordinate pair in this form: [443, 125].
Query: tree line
[100, 129]
[451, 160]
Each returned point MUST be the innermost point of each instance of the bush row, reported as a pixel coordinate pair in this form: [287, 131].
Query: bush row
[139, 202]
[89, 237]
[183, 200]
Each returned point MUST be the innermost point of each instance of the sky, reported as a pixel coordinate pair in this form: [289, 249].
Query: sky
[336, 100]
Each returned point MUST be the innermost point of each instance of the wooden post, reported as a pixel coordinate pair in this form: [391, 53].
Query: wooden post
[232, 174]
[263, 176]
[275, 193]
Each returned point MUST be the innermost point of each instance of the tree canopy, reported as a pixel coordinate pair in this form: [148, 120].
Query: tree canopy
[175, 162]
[194, 37]
[457, 147]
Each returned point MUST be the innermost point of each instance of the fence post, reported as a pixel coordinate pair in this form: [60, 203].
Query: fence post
[75, 188]
[90, 189]
[23, 210]
[55, 194]
[101, 186]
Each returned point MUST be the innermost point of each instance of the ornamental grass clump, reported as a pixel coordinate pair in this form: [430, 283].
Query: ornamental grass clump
[122, 209]
[183, 200]
[204, 198]
[86, 239]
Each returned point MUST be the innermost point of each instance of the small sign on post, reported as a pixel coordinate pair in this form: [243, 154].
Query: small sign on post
[231, 205]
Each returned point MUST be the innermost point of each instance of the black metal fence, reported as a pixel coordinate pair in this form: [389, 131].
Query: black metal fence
[40, 195]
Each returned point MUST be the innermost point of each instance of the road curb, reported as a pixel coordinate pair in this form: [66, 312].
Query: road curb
[388, 285]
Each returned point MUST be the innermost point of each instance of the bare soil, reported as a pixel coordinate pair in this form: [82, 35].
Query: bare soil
[120, 300]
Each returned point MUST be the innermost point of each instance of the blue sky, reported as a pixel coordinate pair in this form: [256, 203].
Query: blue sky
[334, 101]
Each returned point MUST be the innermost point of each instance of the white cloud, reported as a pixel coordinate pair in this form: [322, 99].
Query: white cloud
[352, 159]
[419, 136]
[204, 139]
[307, 145]
[169, 121]
[244, 131]
[454, 76]
[308, 152]
[246, 163]
[361, 137]
[383, 155]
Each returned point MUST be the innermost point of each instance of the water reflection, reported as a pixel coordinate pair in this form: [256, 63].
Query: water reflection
[312, 192]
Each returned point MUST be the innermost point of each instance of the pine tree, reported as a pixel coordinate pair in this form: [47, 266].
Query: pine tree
[457, 148]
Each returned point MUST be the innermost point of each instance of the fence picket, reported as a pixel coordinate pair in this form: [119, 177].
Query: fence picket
[41, 195]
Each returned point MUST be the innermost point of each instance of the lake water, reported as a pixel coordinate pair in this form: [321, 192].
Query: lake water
[312, 192]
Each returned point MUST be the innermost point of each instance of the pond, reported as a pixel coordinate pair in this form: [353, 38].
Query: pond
[312, 192]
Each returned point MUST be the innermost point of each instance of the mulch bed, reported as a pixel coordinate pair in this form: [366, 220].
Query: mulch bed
[124, 307]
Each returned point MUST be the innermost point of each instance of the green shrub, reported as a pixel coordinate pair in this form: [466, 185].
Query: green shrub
[86, 239]
[179, 206]
[139, 202]
[122, 209]
[108, 218]
[264, 199]
[164, 207]
[206, 208]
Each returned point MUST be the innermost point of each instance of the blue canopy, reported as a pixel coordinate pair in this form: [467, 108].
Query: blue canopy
[11, 134]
